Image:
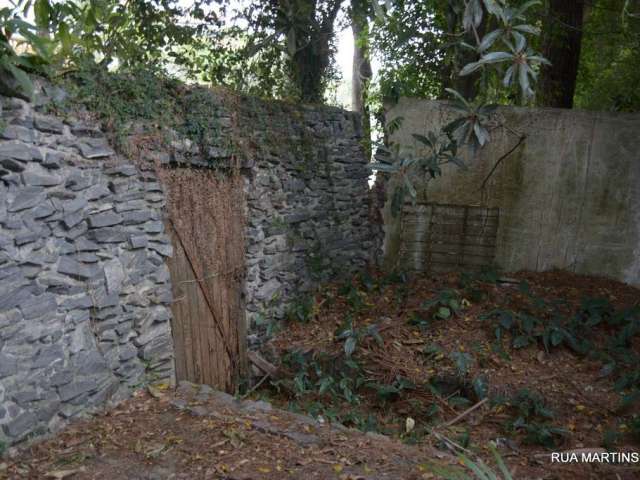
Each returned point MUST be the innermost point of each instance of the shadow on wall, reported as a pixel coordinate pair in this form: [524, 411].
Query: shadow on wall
[569, 195]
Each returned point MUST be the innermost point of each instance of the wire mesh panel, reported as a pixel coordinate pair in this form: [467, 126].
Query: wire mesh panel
[443, 238]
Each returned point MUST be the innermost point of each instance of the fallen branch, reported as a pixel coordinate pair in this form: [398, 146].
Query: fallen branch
[513, 149]
[455, 447]
[260, 362]
[465, 413]
[256, 386]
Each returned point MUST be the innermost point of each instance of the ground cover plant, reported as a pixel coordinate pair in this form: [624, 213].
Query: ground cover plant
[536, 362]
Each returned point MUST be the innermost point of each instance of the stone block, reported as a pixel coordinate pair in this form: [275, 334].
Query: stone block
[76, 388]
[48, 356]
[76, 269]
[137, 216]
[20, 151]
[53, 160]
[84, 245]
[105, 219]
[108, 235]
[37, 306]
[163, 249]
[114, 276]
[21, 425]
[8, 365]
[48, 124]
[138, 241]
[92, 148]
[96, 192]
[18, 132]
[72, 219]
[12, 165]
[73, 206]
[27, 197]
[40, 179]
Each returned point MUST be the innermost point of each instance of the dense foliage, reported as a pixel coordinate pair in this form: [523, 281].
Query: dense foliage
[503, 62]
[286, 48]
[14, 64]
[608, 75]
[410, 50]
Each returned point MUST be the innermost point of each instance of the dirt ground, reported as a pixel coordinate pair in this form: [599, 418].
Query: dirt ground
[197, 433]
[584, 403]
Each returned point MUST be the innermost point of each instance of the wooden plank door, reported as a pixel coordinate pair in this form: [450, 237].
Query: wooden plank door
[206, 224]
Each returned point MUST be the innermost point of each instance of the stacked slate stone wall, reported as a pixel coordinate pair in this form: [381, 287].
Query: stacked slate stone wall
[308, 202]
[84, 289]
[308, 205]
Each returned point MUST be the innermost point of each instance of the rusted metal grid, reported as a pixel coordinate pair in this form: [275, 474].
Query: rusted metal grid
[439, 238]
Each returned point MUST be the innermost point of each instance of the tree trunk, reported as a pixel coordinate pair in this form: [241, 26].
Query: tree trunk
[458, 57]
[309, 44]
[361, 70]
[562, 36]
[309, 65]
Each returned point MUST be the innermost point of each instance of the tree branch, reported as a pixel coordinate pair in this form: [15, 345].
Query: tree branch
[513, 149]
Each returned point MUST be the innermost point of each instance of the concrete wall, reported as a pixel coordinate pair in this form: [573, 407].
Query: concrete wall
[569, 196]
[84, 289]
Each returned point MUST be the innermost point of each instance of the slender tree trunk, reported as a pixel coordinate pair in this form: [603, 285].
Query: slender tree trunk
[459, 57]
[361, 70]
[309, 44]
[562, 37]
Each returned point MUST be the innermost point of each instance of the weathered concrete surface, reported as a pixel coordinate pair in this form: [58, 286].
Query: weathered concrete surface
[569, 196]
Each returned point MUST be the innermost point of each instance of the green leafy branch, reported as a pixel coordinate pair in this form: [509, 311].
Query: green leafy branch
[517, 65]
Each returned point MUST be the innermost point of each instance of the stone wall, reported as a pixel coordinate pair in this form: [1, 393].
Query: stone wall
[569, 196]
[307, 202]
[84, 289]
[307, 196]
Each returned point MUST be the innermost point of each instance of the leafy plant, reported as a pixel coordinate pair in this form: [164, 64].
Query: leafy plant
[418, 320]
[532, 416]
[462, 361]
[480, 386]
[444, 305]
[15, 67]
[484, 472]
[527, 329]
[353, 295]
[471, 124]
[392, 391]
[432, 351]
[478, 469]
[301, 309]
[352, 335]
[519, 57]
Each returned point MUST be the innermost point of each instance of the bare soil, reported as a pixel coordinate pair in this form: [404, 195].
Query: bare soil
[196, 433]
[583, 401]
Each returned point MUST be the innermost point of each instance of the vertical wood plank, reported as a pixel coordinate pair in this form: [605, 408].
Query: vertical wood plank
[209, 320]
